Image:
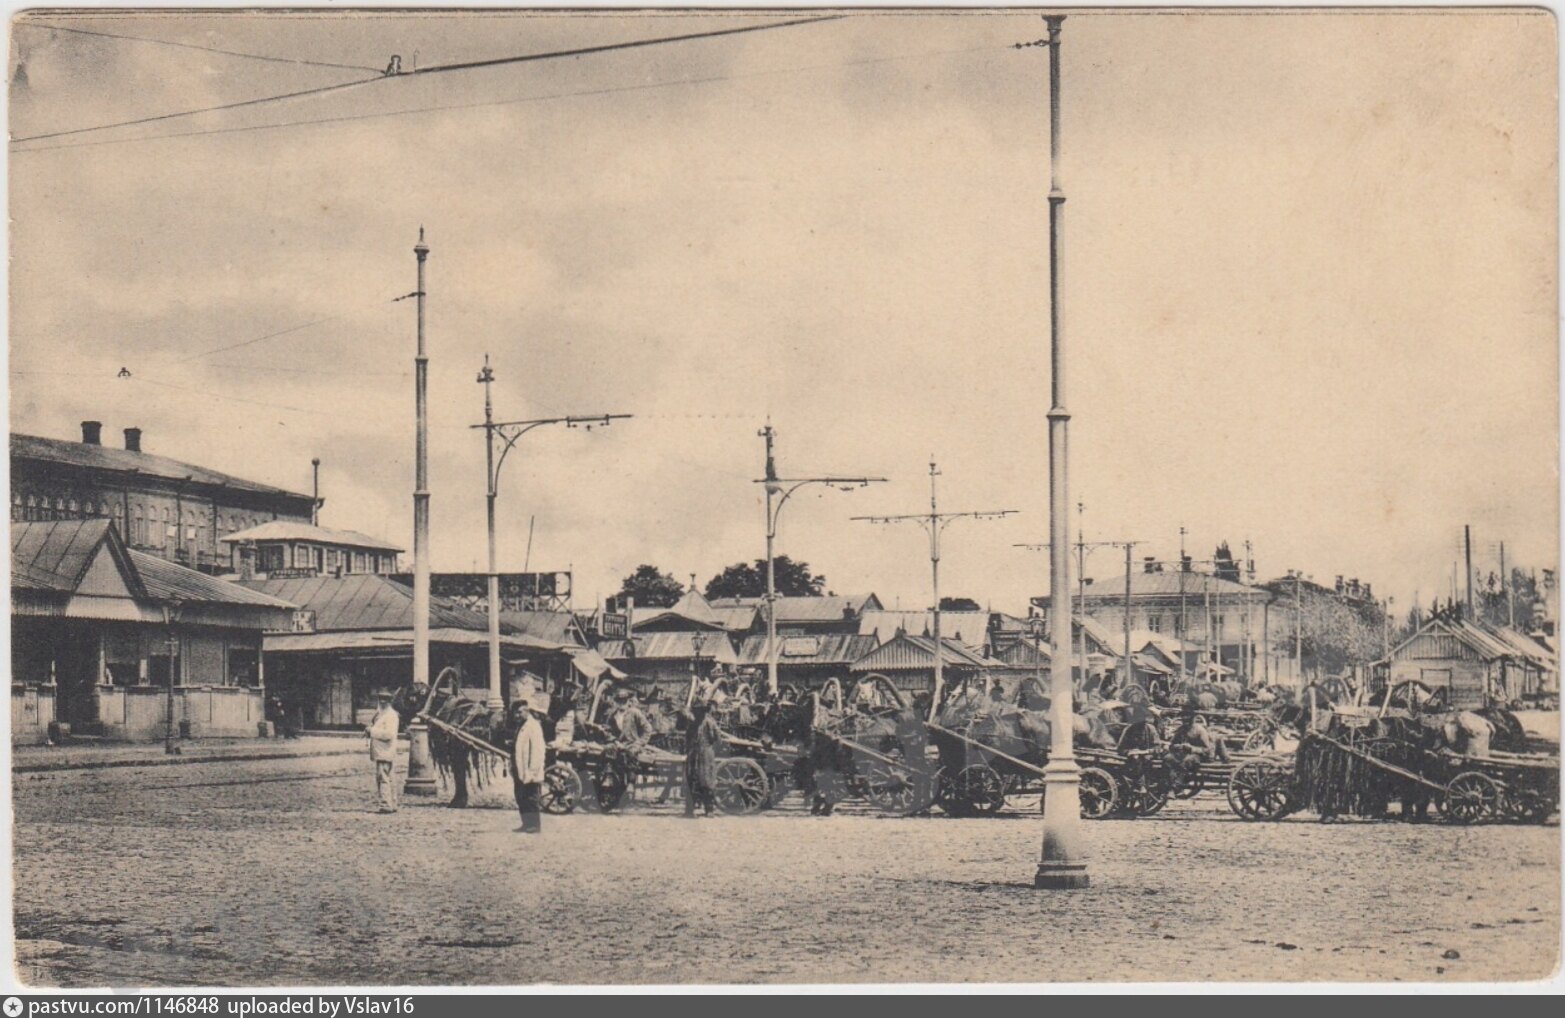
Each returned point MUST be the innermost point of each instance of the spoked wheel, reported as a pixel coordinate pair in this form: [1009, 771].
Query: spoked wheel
[609, 788]
[561, 789]
[742, 786]
[1470, 797]
[1260, 790]
[1143, 797]
[1529, 805]
[898, 790]
[980, 788]
[1262, 740]
[1099, 793]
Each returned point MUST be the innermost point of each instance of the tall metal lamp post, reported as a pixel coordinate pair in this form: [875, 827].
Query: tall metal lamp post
[778, 490]
[421, 766]
[508, 432]
[1063, 863]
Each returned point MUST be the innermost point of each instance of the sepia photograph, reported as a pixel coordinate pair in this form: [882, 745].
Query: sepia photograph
[750, 497]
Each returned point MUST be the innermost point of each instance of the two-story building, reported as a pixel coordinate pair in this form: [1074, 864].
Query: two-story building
[160, 506]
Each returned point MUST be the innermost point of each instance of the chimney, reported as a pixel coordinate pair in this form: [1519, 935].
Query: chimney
[133, 439]
[1151, 564]
[92, 432]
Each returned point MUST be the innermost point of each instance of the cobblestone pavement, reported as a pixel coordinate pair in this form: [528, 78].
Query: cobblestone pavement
[279, 872]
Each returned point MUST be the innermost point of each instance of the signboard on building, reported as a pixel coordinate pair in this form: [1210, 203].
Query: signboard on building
[518, 591]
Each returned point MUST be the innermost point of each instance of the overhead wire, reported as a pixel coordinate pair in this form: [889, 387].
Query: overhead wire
[436, 69]
[520, 100]
[205, 49]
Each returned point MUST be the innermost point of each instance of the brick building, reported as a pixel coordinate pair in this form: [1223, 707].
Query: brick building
[162, 507]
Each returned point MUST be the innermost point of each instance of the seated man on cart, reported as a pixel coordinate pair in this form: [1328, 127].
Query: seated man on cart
[1193, 735]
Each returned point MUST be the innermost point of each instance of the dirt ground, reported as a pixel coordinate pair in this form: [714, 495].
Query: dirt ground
[279, 872]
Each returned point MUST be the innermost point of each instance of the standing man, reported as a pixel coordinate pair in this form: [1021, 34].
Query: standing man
[382, 732]
[701, 740]
[527, 765]
[634, 728]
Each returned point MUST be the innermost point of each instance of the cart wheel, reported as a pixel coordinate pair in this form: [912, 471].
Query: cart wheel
[1470, 797]
[1099, 793]
[584, 780]
[561, 789]
[1146, 799]
[1262, 740]
[897, 790]
[1528, 805]
[1259, 790]
[609, 789]
[1185, 778]
[742, 786]
[948, 796]
[980, 788]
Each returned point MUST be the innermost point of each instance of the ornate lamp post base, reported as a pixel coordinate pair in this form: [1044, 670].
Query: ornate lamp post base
[1064, 863]
[421, 766]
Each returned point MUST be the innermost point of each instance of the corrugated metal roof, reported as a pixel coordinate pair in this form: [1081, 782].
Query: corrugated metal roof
[55, 554]
[289, 530]
[108, 458]
[715, 647]
[389, 640]
[1027, 652]
[820, 649]
[906, 651]
[364, 601]
[168, 581]
[690, 608]
[556, 627]
[832, 608]
[969, 628]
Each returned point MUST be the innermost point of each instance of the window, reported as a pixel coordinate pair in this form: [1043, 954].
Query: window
[1155, 623]
[301, 556]
[270, 558]
[244, 666]
[359, 565]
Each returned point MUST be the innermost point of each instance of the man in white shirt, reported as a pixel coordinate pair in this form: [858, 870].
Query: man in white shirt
[382, 732]
[527, 766]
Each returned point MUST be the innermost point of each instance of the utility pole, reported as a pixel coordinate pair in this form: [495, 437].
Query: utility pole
[508, 432]
[315, 497]
[778, 491]
[934, 523]
[1467, 542]
[1083, 549]
[1298, 627]
[1062, 863]
[1249, 630]
[1081, 588]
[421, 778]
[1182, 624]
[1510, 596]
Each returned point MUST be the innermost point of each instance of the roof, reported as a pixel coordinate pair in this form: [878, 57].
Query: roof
[970, 628]
[1149, 663]
[1027, 652]
[665, 646]
[104, 457]
[817, 649]
[290, 530]
[364, 601]
[169, 581]
[906, 651]
[691, 607]
[1525, 646]
[830, 608]
[54, 555]
[1165, 584]
[390, 640]
[556, 627]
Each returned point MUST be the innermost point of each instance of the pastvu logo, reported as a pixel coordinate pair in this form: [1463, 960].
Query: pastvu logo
[13, 1007]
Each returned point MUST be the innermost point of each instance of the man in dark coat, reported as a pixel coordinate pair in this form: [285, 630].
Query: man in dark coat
[701, 740]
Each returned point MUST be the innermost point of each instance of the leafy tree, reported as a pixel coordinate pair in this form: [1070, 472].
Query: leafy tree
[1336, 633]
[652, 588]
[1491, 604]
[959, 604]
[745, 579]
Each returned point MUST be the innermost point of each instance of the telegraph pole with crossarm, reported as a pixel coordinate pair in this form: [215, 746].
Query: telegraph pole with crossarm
[934, 523]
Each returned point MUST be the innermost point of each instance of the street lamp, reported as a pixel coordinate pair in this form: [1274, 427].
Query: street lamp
[171, 612]
[778, 491]
[509, 432]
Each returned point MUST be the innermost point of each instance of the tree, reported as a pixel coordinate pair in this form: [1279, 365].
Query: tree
[959, 604]
[1335, 632]
[651, 588]
[744, 579]
[1491, 604]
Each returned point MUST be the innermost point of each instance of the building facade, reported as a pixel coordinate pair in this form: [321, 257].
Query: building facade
[100, 632]
[288, 549]
[162, 507]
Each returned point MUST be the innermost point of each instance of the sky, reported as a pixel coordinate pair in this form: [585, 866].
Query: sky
[1309, 279]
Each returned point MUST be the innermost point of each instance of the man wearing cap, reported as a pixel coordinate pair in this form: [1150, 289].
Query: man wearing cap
[527, 765]
[382, 732]
[634, 728]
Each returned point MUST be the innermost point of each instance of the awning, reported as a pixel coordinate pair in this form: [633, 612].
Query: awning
[591, 664]
[389, 641]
